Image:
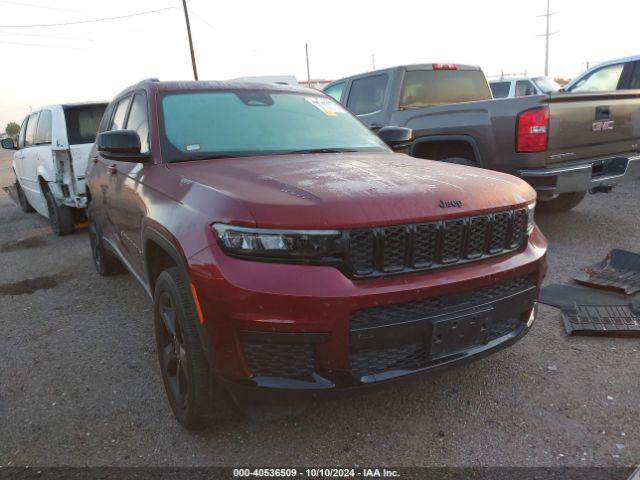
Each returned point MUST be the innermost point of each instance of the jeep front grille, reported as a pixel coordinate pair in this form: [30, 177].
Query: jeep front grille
[424, 246]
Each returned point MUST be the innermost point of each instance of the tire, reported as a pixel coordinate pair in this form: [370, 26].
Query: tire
[196, 398]
[460, 161]
[25, 206]
[60, 216]
[562, 203]
[104, 262]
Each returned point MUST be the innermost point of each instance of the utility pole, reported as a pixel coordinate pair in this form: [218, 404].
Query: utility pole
[373, 61]
[547, 34]
[306, 48]
[193, 56]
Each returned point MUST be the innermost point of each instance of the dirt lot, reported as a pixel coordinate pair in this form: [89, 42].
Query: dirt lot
[79, 383]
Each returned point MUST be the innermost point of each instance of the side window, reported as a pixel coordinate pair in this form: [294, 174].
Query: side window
[634, 81]
[603, 80]
[524, 88]
[43, 131]
[138, 120]
[23, 131]
[367, 94]
[30, 136]
[500, 89]
[117, 123]
[335, 91]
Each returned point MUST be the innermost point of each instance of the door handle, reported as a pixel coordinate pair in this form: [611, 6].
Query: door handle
[603, 112]
[112, 169]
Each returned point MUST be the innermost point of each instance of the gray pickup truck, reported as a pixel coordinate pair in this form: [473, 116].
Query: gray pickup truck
[564, 144]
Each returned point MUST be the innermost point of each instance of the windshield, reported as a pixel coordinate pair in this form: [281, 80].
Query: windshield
[206, 124]
[546, 84]
[425, 88]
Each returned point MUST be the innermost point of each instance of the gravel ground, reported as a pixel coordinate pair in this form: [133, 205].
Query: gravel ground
[80, 385]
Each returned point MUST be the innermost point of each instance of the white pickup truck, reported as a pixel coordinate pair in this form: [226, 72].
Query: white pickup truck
[50, 161]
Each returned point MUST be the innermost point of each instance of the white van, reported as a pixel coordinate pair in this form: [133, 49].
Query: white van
[50, 161]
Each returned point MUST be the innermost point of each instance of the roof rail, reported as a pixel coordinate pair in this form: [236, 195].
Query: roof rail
[150, 79]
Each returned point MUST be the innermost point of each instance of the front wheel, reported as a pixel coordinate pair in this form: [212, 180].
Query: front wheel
[562, 203]
[25, 206]
[196, 399]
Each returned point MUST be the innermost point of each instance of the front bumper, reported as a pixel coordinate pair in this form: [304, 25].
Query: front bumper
[592, 175]
[302, 328]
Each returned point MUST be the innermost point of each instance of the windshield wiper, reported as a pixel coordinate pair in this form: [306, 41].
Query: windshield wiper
[317, 150]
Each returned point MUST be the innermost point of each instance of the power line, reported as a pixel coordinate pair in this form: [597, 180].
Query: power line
[70, 47]
[33, 5]
[147, 12]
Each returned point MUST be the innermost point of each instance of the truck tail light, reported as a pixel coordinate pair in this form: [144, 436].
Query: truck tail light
[531, 130]
[444, 66]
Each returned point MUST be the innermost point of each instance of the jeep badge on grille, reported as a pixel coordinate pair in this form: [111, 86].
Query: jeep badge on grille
[450, 203]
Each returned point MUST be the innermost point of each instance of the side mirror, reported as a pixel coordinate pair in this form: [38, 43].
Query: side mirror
[396, 137]
[121, 145]
[8, 144]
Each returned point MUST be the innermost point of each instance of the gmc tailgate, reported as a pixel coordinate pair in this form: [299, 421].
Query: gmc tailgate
[592, 125]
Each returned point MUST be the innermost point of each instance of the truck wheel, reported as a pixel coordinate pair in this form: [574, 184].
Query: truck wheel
[562, 203]
[196, 398]
[105, 263]
[25, 206]
[460, 161]
[60, 216]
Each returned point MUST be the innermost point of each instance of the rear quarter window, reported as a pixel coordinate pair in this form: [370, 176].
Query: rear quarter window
[83, 122]
[500, 89]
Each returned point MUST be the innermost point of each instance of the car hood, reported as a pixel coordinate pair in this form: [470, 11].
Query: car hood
[351, 190]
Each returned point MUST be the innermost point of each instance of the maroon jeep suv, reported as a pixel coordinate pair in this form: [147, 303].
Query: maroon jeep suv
[288, 248]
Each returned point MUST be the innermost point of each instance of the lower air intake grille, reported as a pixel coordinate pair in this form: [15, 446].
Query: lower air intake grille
[280, 359]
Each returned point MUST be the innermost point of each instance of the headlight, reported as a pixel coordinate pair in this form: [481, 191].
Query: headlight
[263, 242]
[531, 208]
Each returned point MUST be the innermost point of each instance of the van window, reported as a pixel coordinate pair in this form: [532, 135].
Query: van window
[500, 89]
[335, 91]
[121, 111]
[138, 120]
[603, 80]
[82, 123]
[43, 131]
[367, 94]
[30, 136]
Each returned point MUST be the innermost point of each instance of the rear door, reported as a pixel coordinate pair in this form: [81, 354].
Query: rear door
[366, 99]
[590, 125]
[82, 124]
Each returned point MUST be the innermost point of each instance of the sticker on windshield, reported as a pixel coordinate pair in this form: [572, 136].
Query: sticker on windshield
[192, 147]
[326, 106]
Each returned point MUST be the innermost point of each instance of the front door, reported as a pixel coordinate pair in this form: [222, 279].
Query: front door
[127, 203]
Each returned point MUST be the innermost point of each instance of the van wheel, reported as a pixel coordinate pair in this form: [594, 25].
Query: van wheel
[562, 203]
[105, 263]
[460, 161]
[25, 206]
[60, 216]
[196, 398]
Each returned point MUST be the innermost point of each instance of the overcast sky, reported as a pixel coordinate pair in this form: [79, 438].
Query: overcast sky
[94, 61]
